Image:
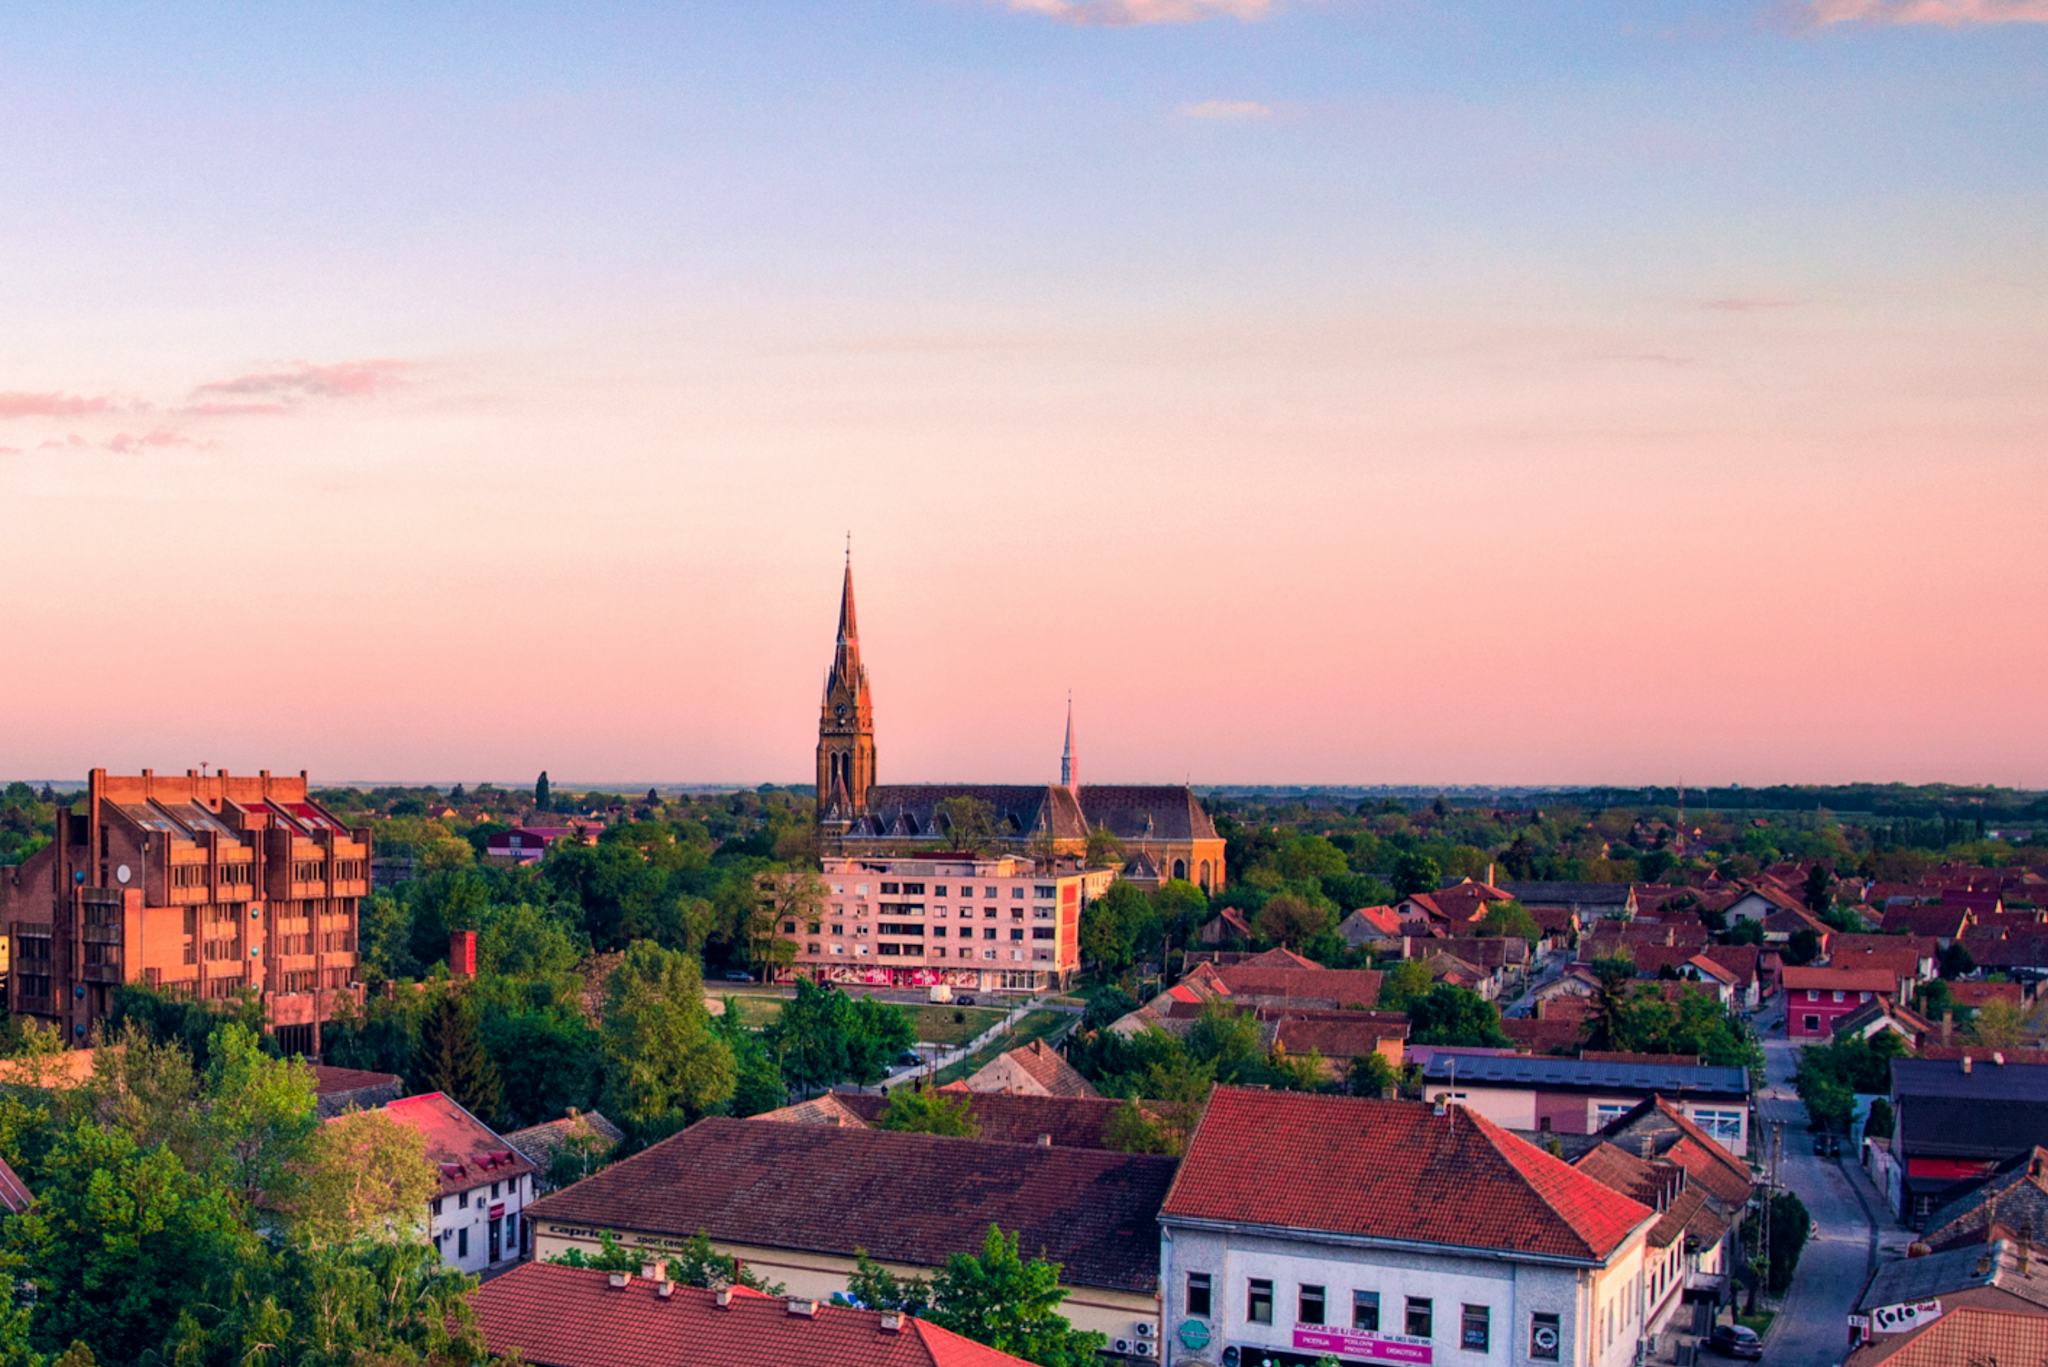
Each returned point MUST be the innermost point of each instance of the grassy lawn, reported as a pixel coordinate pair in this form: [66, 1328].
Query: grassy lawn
[1035, 1025]
[933, 1024]
[1761, 1321]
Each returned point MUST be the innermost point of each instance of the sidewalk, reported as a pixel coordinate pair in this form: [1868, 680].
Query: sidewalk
[947, 1057]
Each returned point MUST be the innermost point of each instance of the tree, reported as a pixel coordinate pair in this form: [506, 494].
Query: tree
[1227, 1041]
[1133, 1129]
[1956, 961]
[665, 1066]
[1403, 984]
[1010, 1303]
[789, 898]
[967, 822]
[824, 1036]
[1746, 933]
[257, 1113]
[930, 1112]
[1104, 850]
[1370, 1075]
[1880, 1123]
[1998, 1025]
[1613, 993]
[1803, 947]
[875, 1287]
[1820, 889]
[543, 795]
[453, 1060]
[1452, 1015]
[363, 1175]
[1510, 920]
[1289, 918]
[1415, 872]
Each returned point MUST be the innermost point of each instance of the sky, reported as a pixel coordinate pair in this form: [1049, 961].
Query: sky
[1361, 391]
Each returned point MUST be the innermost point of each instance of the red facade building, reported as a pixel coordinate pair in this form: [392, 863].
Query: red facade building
[201, 885]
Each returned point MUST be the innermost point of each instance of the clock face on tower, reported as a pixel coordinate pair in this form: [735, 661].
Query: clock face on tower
[840, 711]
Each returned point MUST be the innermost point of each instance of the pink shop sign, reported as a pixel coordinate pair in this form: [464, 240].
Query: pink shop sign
[1370, 1347]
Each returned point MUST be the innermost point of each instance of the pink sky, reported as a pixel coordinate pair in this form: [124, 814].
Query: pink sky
[1321, 392]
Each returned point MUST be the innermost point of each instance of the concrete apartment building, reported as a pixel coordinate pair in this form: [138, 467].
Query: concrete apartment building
[198, 884]
[996, 924]
[1302, 1226]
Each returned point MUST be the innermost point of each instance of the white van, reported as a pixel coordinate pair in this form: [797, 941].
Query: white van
[939, 993]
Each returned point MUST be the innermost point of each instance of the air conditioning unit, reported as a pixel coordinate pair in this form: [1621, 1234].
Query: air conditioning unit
[1142, 1348]
[1144, 1329]
[1120, 1345]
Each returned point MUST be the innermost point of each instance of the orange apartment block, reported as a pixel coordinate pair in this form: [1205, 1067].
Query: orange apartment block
[202, 885]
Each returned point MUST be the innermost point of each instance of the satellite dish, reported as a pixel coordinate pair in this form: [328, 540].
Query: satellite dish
[121, 875]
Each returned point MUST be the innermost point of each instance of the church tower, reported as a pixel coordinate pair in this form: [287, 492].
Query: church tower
[1070, 764]
[846, 725]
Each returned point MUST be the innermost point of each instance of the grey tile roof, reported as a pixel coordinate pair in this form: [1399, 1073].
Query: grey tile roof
[1574, 1074]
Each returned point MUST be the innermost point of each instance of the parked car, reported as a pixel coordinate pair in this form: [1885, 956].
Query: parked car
[1820, 1144]
[963, 999]
[737, 975]
[1736, 1341]
[909, 1058]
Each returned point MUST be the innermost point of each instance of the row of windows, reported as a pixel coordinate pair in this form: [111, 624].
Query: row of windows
[1418, 1319]
[1042, 956]
[1044, 892]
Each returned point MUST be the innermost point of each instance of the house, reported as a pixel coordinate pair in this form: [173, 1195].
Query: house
[1907, 1298]
[1586, 901]
[1328, 988]
[1956, 1121]
[2011, 1204]
[1565, 1096]
[1371, 928]
[1761, 900]
[1882, 1014]
[1972, 995]
[1745, 968]
[1710, 1198]
[1462, 903]
[553, 1316]
[1964, 1336]
[1816, 997]
[1341, 1036]
[1227, 926]
[1301, 1225]
[1849, 951]
[485, 1184]
[797, 1201]
[1031, 1070]
[1943, 924]
[585, 1136]
[353, 1089]
[1531, 1035]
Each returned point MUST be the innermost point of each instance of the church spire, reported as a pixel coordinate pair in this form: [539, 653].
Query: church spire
[846, 721]
[846, 656]
[1070, 771]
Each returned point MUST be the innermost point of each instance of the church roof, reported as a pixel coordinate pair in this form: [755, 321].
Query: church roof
[1161, 811]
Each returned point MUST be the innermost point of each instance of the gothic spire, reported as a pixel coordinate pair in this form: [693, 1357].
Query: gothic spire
[846, 656]
[1070, 772]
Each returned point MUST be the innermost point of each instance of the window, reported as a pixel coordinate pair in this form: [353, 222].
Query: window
[1838, 996]
[1258, 1300]
[462, 1242]
[966, 890]
[1198, 1294]
[1365, 1311]
[989, 891]
[988, 932]
[1309, 1306]
[1474, 1332]
[1017, 934]
[1724, 1126]
[462, 1200]
[1546, 1343]
[1017, 892]
[1421, 1315]
[1043, 892]
[1041, 932]
[437, 1205]
[494, 1190]
[938, 889]
[1608, 1111]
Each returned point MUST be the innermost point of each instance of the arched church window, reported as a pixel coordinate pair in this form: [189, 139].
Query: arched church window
[1180, 868]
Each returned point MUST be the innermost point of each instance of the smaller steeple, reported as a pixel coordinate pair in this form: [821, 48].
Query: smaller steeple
[1070, 773]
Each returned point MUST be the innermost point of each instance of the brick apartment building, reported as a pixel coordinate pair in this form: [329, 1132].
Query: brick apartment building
[200, 885]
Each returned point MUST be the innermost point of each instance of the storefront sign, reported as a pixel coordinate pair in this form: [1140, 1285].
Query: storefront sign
[1897, 1319]
[1194, 1334]
[1352, 1343]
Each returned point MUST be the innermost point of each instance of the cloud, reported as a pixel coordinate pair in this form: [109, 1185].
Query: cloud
[217, 409]
[300, 381]
[21, 405]
[1129, 13]
[1942, 13]
[126, 443]
[1226, 110]
[1747, 304]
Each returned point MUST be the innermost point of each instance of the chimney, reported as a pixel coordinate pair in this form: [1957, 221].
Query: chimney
[664, 1288]
[798, 1305]
[1966, 1064]
[462, 955]
[1998, 1057]
[723, 1297]
[1045, 1141]
[891, 1322]
[1948, 1023]
[619, 1280]
[654, 1271]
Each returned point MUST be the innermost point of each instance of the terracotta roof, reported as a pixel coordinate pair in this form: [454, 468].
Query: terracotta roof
[1391, 1170]
[1336, 987]
[1543, 1036]
[907, 1198]
[1803, 977]
[1071, 1122]
[1635, 1178]
[555, 1316]
[1941, 922]
[1042, 1064]
[1381, 920]
[1975, 994]
[466, 1152]
[1741, 961]
[542, 1142]
[1278, 957]
[1964, 1335]
[329, 1081]
[1335, 1036]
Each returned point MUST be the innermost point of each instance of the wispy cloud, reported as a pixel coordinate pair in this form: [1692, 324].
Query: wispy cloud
[219, 409]
[1126, 13]
[1226, 110]
[302, 380]
[157, 438]
[1942, 13]
[1750, 303]
[23, 405]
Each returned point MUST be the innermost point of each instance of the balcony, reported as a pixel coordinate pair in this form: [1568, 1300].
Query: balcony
[104, 935]
[102, 973]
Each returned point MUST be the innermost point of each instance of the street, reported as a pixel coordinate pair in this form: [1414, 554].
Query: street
[1812, 1327]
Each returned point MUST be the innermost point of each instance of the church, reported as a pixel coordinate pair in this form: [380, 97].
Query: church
[1164, 832]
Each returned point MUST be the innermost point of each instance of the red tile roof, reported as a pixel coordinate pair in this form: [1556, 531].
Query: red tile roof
[905, 1198]
[1391, 1170]
[1043, 1065]
[557, 1316]
[1802, 977]
[14, 1193]
[1071, 1122]
[1963, 1336]
[466, 1152]
[1338, 987]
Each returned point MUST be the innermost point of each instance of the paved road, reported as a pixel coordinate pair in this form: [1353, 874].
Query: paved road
[1812, 1327]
